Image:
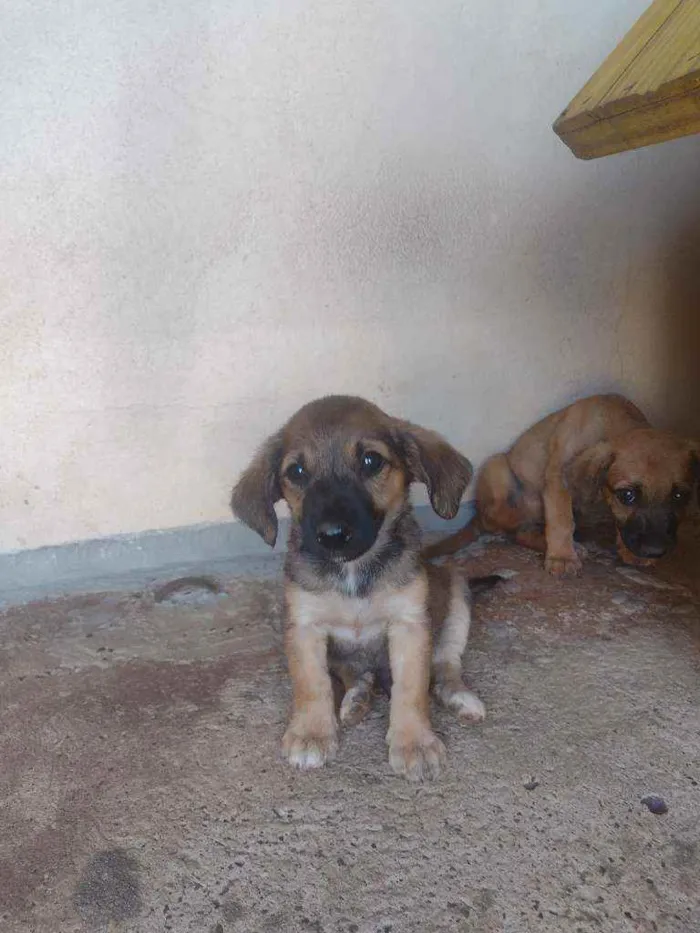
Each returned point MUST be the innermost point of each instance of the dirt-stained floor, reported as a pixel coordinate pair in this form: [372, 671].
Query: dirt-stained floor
[141, 791]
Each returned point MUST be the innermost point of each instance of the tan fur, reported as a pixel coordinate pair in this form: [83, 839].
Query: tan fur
[342, 630]
[584, 452]
[311, 738]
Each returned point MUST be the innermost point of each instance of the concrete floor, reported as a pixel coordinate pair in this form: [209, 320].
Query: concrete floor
[140, 788]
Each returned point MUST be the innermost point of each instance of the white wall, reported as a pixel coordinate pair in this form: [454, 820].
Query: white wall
[213, 212]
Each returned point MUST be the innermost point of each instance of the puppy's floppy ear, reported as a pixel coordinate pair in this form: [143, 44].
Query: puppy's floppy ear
[254, 495]
[588, 471]
[431, 460]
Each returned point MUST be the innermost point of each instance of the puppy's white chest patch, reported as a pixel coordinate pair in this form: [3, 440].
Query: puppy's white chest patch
[359, 633]
[355, 620]
[349, 619]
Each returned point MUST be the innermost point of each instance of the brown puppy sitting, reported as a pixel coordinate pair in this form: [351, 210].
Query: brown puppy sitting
[599, 447]
[359, 600]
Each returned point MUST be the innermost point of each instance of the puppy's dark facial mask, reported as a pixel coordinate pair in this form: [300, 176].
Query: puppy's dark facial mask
[340, 491]
[339, 521]
[648, 494]
[648, 520]
[344, 468]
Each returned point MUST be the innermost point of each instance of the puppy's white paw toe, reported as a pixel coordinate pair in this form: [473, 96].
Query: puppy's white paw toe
[467, 706]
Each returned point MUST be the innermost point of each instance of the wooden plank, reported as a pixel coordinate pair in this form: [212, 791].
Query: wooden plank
[647, 91]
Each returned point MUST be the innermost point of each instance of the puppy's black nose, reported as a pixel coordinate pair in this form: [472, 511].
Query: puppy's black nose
[334, 536]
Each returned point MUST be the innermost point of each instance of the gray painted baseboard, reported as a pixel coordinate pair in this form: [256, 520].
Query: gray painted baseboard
[131, 561]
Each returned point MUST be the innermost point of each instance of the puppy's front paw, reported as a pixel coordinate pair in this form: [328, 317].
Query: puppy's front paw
[417, 755]
[569, 566]
[307, 744]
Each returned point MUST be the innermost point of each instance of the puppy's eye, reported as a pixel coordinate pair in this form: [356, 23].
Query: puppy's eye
[627, 496]
[371, 462]
[296, 474]
[680, 496]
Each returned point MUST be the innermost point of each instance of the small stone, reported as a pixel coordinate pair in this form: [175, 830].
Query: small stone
[655, 804]
[531, 785]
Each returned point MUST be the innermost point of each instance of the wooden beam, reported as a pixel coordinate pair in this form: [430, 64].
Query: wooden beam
[647, 91]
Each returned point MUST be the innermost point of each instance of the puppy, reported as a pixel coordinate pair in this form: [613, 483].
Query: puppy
[599, 448]
[359, 601]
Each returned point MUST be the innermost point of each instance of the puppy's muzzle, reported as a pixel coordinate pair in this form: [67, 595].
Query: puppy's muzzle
[339, 520]
[650, 536]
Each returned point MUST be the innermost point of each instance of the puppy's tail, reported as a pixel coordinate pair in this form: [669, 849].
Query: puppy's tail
[453, 543]
[479, 585]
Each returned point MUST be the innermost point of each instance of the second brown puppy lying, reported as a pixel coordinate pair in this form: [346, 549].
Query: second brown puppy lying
[600, 447]
[358, 596]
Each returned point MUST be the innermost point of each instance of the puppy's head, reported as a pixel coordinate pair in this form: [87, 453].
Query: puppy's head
[647, 479]
[344, 468]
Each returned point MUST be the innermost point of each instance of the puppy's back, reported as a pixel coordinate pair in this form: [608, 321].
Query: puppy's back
[570, 430]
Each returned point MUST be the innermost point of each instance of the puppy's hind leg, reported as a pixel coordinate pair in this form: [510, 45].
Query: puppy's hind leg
[357, 701]
[356, 679]
[504, 503]
[532, 537]
[448, 685]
